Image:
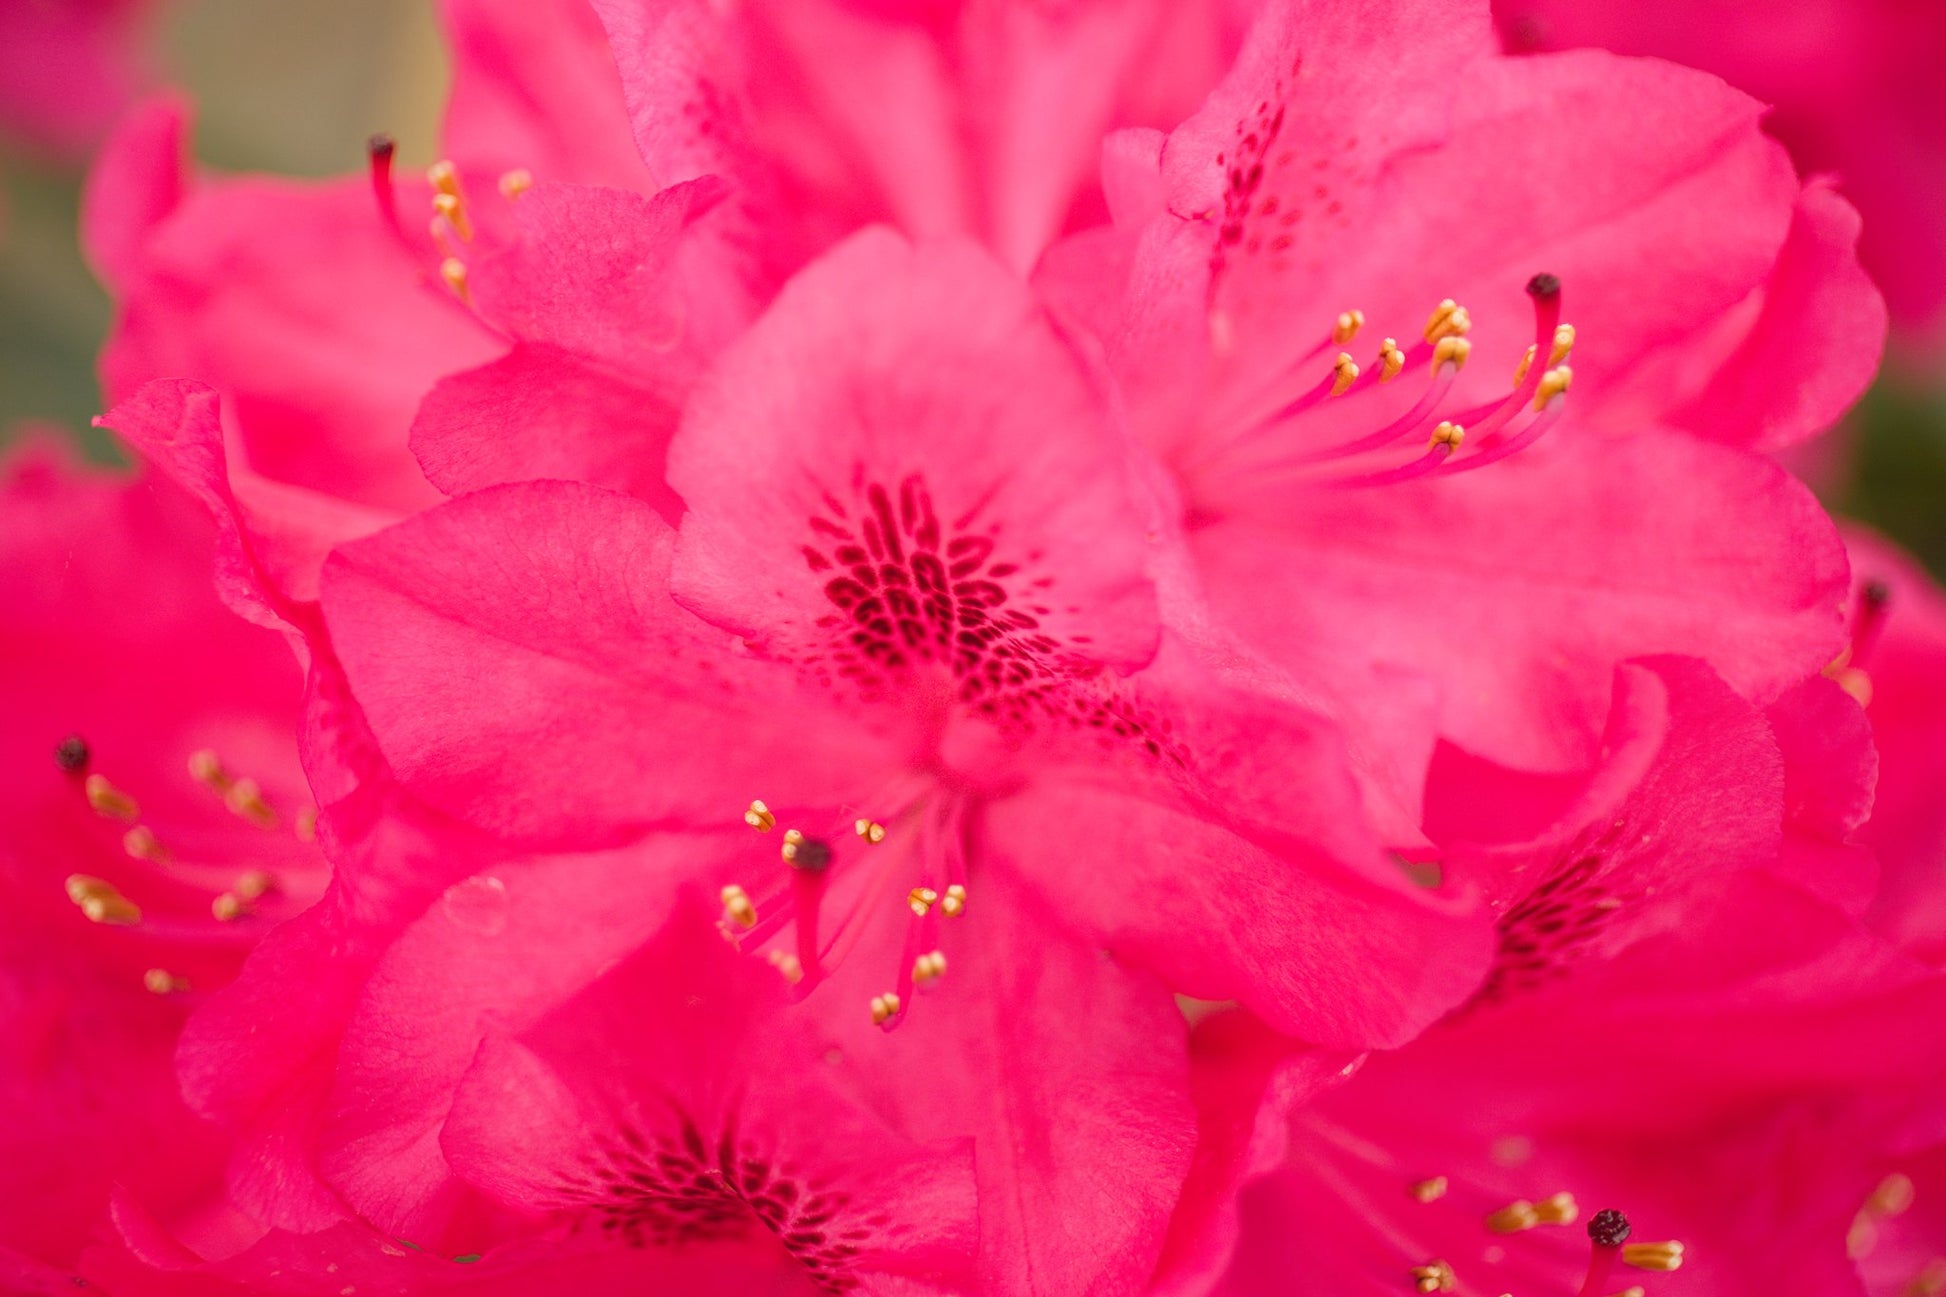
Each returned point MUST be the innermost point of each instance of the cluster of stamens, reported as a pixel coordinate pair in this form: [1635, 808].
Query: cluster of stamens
[1445, 348]
[451, 225]
[746, 921]
[1608, 1238]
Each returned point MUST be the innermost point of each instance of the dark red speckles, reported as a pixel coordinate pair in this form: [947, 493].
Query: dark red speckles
[1542, 932]
[1243, 176]
[679, 1188]
[909, 588]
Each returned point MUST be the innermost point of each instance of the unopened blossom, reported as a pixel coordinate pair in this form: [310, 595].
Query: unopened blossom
[155, 827]
[1853, 92]
[1435, 345]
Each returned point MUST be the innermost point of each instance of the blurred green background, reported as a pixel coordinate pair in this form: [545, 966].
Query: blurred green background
[295, 86]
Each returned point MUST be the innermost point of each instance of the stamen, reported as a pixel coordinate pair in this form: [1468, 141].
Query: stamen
[1560, 1209]
[871, 830]
[453, 208]
[1653, 1256]
[1451, 350]
[921, 900]
[245, 799]
[379, 148]
[1429, 1190]
[738, 908]
[1434, 1276]
[809, 854]
[515, 183]
[884, 1008]
[929, 967]
[228, 907]
[1344, 372]
[101, 901]
[1390, 360]
[788, 965]
[759, 817]
[160, 981]
[307, 824]
[443, 176]
[1449, 435]
[140, 843]
[955, 901]
[1893, 1196]
[453, 271]
[1448, 320]
[1554, 383]
[254, 884]
[71, 754]
[109, 800]
[1347, 327]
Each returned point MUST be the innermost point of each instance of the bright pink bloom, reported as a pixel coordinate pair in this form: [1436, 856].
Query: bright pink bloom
[155, 825]
[1856, 92]
[72, 66]
[1390, 163]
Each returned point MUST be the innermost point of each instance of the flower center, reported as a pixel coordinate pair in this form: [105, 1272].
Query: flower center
[841, 874]
[1277, 439]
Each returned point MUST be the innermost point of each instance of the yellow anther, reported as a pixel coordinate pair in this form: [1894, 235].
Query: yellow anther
[253, 884]
[1451, 351]
[921, 900]
[140, 843]
[247, 800]
[1448, 320]
[453, 208]
[229, 907]
[515, 183]
[1344, 372]
[955, 901]
[1390, 360]
[444, 176]
[1513, 1218]
[738, 908]
[1892, 1197]
[929, 966]
[161, 981]
[1563, 344]
[1557, 1209]
[1447, 434]
[1653, 1256]
[1434, 1276]
[760, 818]
[109, 800]
[1555, 382]
[1429, 1190]
[792, 841]
[205, 767]
[1526, 363]
[871, 830]
[789, 965]
[1347, 327]
[1930, 1281]
[307, 824]
[884, 1008]
[1637, 1291]
[453, 271]
[100, 901]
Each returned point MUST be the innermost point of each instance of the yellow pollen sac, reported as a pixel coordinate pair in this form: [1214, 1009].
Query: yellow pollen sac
[101, 902]
[229, 907]
[738, 908]
[253, 884]
[1526, 363]
[921, 900]
[1563, 344]
[140, 843]
[1451, 351]
[515, 183]
[955, 901]
[792, 841]
[788, 965]
[1447, 434]
[453, 208]
[1434, 1276]
[1892, 1197]
[1448, 320]
[246, 800]
[929, 966]
[1653, 1256]
[884, 1007]
[1557, 1209]
[1429, 1190]
[161, 981]
[1390, 360]
[1347, 327]
[870, 830]
[205, 767]
[1344, 372]
[453, 271]
[109, 800]
[1930, 1281]
[444, 177]
[759, 817]
[1555, 382]
[307, 824]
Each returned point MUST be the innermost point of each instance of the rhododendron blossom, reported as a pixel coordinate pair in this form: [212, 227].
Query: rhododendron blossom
[990, 647]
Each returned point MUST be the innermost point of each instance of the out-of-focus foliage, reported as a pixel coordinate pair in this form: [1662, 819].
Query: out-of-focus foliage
[295, 87]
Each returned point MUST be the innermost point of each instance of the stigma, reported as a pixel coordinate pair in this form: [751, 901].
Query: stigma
[815, 907]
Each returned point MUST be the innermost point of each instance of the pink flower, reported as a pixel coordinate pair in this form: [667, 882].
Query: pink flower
[155, 825]
[1854, 92]
[72, 66]
[1676, 1029]
[1356, 171]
